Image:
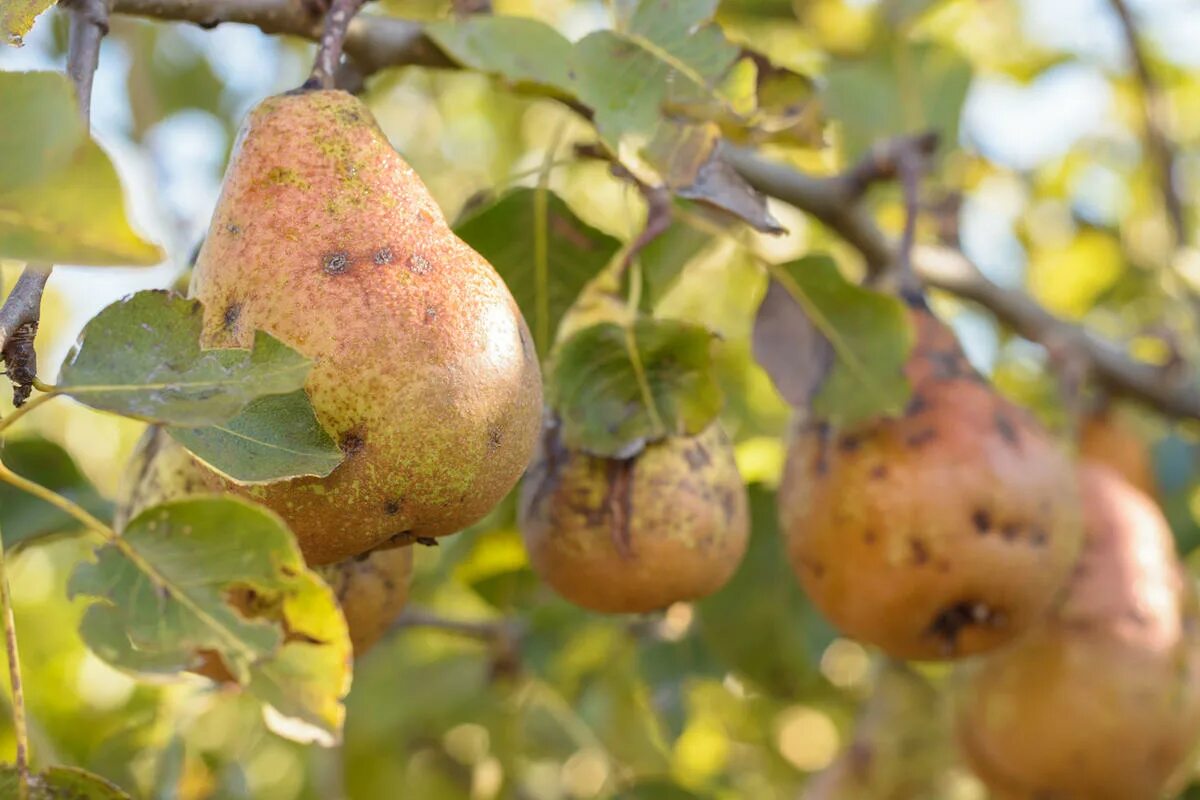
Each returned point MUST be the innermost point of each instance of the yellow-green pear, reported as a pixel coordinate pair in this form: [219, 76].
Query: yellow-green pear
[424, 370]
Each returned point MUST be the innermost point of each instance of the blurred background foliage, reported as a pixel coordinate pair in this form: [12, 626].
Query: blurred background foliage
[747, 694]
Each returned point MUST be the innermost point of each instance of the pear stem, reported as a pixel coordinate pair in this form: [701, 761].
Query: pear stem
[329, 51]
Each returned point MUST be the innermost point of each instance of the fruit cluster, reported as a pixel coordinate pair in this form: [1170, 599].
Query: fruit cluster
[955, 529]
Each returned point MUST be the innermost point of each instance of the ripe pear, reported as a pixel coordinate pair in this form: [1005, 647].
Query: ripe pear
[1107, 438]
[639, 534]
[939, 533]
[371, 588]
[424, 370]
[1102, 701]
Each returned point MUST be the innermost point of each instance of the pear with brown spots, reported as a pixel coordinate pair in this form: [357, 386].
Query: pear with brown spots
[939, 533]
[635, 535]
[371, 589]
[1102, 701]
[424, 370]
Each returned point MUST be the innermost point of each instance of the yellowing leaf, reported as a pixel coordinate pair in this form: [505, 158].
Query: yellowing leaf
[60, 198]
[17, 16]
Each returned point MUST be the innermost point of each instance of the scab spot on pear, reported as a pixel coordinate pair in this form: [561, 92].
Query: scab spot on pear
[335, 263]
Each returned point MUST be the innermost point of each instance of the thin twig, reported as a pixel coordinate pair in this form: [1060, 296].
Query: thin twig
[333, 39]
[89, 25]
[14, 676]
[1154, 108]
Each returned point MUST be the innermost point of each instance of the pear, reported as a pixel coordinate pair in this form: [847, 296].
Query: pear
[1102, 701]
[1106, 437]
[371, 588]
[635, 535]
[939, 533]
[424, 370]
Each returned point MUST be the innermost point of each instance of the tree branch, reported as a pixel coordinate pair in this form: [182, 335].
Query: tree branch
[377, 42]
[1154, 108]
[373, 41]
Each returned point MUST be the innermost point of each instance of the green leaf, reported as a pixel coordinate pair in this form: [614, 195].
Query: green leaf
[668, 53]
[60, 198]
[17, 16]
[274, 437]
[898, 89]
[763, 602]
[24, 517]
[164, 598]
[830, 344]
[141, 357]
[617, 389]
[519, 49]
[60, 783]
[504, 234]
[663, 260]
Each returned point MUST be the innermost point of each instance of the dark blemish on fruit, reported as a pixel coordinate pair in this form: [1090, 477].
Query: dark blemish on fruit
[921, 437]
[233, 228]
[943, 566]
[949, 622]
[1006, 430]
[697, 457]
[916, 404]
[335, 263]
[849, 443]
[288, 571]
[920, 551]
[879, 472]
[1010, 532]
[351, 443]
[382, 256]
[427, 541]
[728, 503]
[870, 537]
[1038, 538]
[349, 115]
[494, 437]
[946, 364]
[419, 264]
[815, 567]
[431, 313]
[230, 317]
[389, 584]
[982, 521]
[391, 507]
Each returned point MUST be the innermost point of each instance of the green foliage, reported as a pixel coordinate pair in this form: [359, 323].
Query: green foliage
[165, 598]
[520, 49]
[897, 88]
[832, 345]
[24, 518]
[763, 603]
[507, 233]
[141, 357]
[617, 388]
[60, 783]
[273, 437]
[60, 199]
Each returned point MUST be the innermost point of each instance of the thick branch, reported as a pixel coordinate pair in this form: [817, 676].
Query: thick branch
[1154, 107]
[374, 42]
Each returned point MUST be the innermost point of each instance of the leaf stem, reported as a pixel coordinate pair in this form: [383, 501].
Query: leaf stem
[111, 537]
[14, 674]
[17, 413]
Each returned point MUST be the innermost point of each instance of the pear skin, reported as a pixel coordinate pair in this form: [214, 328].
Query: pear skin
[371, 588]
[1101, 701]
[668, 525]
[939, 533]
[424, 370]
